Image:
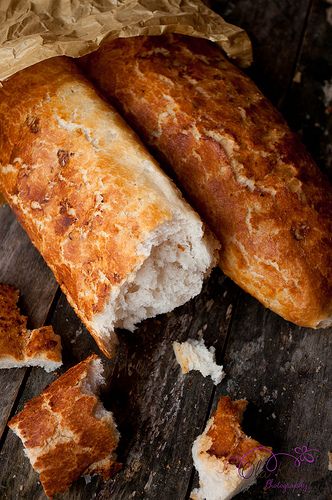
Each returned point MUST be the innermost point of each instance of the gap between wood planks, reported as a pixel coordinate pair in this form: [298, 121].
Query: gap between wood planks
[214, 388]
[297, 56]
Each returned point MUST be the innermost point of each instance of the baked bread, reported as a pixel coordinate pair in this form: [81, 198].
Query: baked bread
[66, 431]
[20, 346]
[227, 460]
[194, 355]
[246, 173]
[117, 234]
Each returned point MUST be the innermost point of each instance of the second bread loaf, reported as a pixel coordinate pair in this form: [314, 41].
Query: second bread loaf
[242, 167]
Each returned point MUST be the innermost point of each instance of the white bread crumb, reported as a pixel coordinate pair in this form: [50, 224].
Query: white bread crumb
[194, 355]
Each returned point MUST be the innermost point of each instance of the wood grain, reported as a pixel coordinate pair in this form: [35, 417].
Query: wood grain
[164, 409]
[306, 106]
[285, 373]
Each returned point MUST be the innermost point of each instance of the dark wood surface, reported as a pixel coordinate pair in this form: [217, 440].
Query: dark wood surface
[284, 371]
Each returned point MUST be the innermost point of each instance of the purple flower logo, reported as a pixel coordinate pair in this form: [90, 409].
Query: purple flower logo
[249, 466]
[301, 454]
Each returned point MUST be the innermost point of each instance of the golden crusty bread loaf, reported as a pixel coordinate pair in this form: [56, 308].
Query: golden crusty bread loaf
[66, 432]
[246, 173]
[117, 234]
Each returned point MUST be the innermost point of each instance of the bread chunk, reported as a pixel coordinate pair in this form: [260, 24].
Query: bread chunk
[22, 347]
[66, 432]
[194, 355]
[227, 460]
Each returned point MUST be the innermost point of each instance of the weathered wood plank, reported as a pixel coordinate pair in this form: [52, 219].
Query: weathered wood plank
[165, 410]
[308, 104]
[156, 407]
[285, 372]
[17, 478]
[22, 266]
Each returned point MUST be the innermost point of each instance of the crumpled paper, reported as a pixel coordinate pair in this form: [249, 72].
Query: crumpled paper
[34, 30]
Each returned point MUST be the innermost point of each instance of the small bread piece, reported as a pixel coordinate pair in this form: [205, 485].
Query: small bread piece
[194, 355]
[66, 431]
[19, 346]
[329, 456]
[120, 239]
[227, 460]
[245, 172]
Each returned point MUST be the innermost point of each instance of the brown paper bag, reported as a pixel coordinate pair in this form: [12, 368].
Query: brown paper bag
[33, 31]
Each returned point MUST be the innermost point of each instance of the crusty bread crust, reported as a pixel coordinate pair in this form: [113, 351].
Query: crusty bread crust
[20, 346]
[245, 171]
[227, 460]
[228, 440]
[63, 436]
[81, 183]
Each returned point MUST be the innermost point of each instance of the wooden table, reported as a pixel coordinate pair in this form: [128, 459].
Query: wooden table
[283, 370]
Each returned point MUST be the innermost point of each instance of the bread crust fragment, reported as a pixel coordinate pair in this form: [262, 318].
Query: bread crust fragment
[66, 432]
[22, 347]
[246, 173]
[227, 460]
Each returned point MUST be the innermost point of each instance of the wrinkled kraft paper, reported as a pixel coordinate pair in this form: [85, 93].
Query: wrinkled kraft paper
[34, 30]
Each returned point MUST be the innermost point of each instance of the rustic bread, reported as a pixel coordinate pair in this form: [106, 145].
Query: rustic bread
[66, 431]
[245, 172]
[194, 355]
[22, 347]
[227, 460]
[117, 234]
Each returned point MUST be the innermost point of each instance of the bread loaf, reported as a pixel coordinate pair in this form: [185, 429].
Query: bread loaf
[246, 173]
[119, 238]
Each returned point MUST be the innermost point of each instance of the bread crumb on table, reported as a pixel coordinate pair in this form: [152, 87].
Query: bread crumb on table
[194, 355]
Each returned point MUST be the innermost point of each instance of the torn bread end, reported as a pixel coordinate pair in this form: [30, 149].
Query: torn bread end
[227, 460]
[176, 258]
[66, 431]
[194, 355]
[22, 347]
